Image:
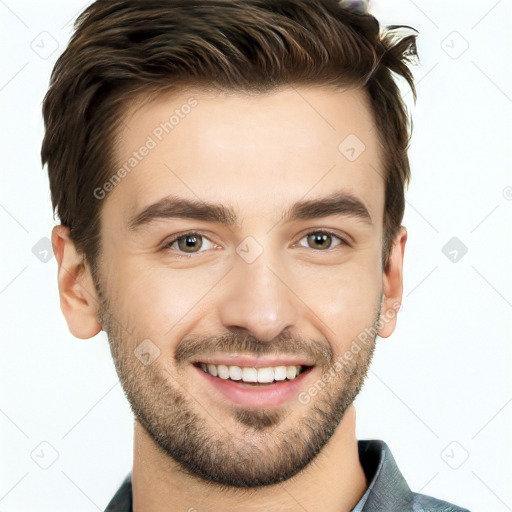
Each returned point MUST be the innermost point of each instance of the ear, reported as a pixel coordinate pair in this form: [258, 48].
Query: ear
[78, 297]
[392, 285]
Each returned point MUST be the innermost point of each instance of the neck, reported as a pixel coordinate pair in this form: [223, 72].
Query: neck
[333, 482]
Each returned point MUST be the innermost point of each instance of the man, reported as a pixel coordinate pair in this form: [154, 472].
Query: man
[230, 176]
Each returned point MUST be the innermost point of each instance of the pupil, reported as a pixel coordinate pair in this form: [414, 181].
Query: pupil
[320, 238]
[188, 242]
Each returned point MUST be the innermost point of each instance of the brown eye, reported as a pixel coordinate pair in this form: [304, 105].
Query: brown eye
[321, 240]
[189, 243]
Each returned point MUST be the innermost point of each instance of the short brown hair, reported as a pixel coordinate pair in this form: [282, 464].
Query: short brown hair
[124, 49]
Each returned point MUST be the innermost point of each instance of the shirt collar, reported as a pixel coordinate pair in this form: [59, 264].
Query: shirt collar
[387, 487]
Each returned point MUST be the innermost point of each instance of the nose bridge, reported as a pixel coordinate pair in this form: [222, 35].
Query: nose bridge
[256, 299]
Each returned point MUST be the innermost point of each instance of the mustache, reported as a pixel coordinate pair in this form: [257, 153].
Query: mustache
[191, 347]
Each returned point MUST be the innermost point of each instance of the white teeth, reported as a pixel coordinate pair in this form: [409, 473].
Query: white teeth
[250, 374]
[265, 375]
[235, 372]
[291, 372]
[280, 373]
[223, 371]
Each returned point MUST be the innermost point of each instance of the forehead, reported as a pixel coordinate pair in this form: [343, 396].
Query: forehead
[256, 151]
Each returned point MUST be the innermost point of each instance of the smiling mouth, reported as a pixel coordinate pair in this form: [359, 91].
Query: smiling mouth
[252, 376]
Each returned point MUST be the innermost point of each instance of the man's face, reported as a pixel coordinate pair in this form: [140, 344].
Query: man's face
[277, 286]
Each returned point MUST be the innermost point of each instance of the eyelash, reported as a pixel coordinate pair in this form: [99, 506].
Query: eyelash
[168, 245]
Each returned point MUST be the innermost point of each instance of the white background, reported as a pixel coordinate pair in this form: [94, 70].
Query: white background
[440, 390]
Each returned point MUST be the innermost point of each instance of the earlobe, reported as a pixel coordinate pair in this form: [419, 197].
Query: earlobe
[78, 297]
[392, 285]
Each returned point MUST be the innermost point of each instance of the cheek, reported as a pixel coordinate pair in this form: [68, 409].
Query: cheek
[155, 299]
[345, 299]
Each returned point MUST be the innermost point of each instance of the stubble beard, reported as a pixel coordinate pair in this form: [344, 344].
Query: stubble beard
[263, 451]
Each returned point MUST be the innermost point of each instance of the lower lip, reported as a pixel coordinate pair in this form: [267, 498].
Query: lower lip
[265, 395]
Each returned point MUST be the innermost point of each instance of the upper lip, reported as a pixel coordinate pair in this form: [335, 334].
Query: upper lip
[251, 361]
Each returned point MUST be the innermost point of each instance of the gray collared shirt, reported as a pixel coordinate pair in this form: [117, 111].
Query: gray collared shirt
[388, 491]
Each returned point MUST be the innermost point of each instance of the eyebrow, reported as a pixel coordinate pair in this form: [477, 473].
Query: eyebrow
[338, 203]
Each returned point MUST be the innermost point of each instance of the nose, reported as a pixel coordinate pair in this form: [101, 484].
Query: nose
[258, 300]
